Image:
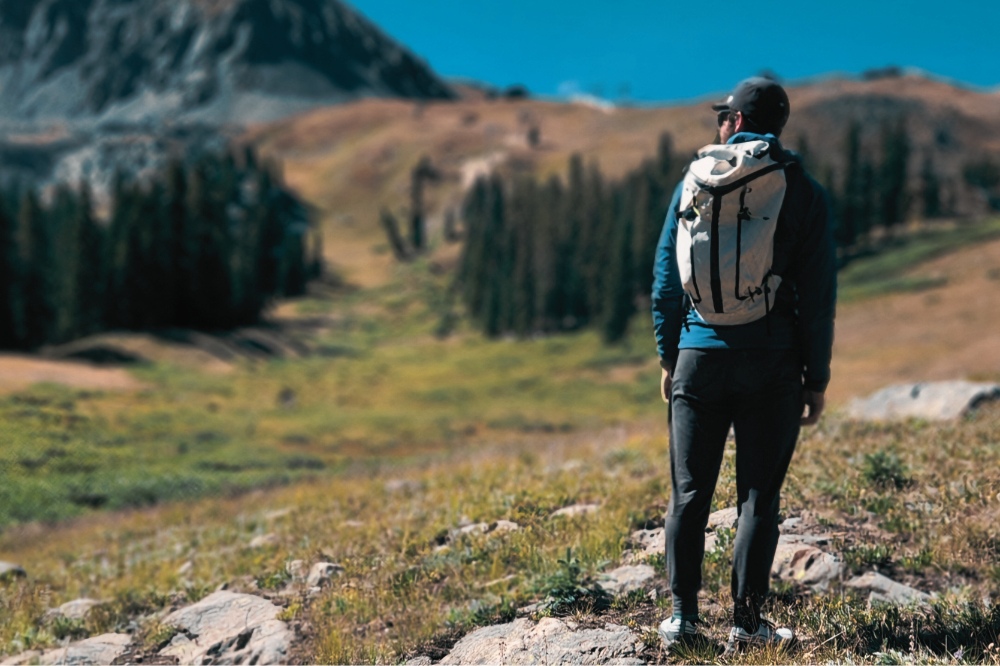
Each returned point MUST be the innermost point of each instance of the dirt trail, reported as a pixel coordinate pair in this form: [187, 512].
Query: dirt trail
[20, 372]
[949, 332]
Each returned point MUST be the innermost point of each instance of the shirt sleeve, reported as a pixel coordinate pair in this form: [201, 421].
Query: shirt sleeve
[817, 292]
[668, 294]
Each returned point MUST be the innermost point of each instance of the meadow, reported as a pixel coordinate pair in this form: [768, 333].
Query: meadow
[408, 426]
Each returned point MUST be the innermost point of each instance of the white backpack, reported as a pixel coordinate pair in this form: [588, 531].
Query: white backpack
[731, 198]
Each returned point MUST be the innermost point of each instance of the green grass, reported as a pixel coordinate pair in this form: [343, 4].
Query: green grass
[886, 271]
[371, 455]
[392, 394]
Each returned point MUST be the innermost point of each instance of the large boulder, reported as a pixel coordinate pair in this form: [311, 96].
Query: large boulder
[229, 628]
[798, 559]
[932, 401]
[101, 649]
[882, 589]
[627, 579]
[73, 610]
[551, 641]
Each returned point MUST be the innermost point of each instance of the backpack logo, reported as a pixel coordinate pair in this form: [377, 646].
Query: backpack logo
[731, 198]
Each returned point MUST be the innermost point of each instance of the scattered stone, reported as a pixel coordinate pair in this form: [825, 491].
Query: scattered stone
[402, 486]
[228, 628]
[576, 510]
[723, 518]
[551, 641]
[475, 528]
[29, 657]
[650, 542]
[525, 611]
[495, 528]
[647, 543]
[503, 526]
[185, 568]
[73, 610]
[790, 524]
[322, 572]
[264, 541]
[933, 401]
[797, 559]
[627, 579]
[883, 589]
[277, 514]
[9, 571]
[101, 649]
[296, 569]
[352, 523]
[422, 660]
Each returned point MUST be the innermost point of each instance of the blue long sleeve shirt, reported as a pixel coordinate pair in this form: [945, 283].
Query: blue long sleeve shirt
[803, 312]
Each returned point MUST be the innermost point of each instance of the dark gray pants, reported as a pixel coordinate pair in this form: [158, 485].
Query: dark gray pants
[759, 393]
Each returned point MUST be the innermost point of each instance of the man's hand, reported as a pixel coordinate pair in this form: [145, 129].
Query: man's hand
[665, 382]
[813, 401]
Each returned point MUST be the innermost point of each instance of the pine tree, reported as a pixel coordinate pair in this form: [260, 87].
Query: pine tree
[930, 189]
[38, 258]
[11, 305]
[893, 173]
[850, 200]
[619, 294]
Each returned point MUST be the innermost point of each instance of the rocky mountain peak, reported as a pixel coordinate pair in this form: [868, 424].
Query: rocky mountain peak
[209, 61]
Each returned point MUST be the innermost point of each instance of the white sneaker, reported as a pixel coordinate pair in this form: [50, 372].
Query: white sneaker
[676, 630]
[766, 634]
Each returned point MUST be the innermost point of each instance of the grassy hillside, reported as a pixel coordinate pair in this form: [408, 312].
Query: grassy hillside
[351, 160]
[394, 437]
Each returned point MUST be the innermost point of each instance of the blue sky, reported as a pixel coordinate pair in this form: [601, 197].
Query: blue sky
[658, 50]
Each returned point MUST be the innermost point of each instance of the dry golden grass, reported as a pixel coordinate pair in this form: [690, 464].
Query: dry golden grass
[946, 332]
[353, 159]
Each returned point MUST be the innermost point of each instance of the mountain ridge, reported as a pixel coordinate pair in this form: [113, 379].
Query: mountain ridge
[236, 61]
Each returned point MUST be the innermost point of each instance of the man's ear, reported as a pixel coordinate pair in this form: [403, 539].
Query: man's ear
[739, 124]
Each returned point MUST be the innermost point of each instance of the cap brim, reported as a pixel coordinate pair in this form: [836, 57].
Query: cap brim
[720, 106]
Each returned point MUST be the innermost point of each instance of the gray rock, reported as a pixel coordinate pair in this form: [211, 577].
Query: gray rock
[502, 526]
[649, 542]
[628, 578]
[229, 628]
[551, 641]
[29, 657]
[101, 649]
[9, 570]
[474, 528]
[883, 589]
[73, 610]
[723, 518]
[322, 572]
[492, 529]
[296, 569]
[264, 541]
[933, 401]
[576, 510]
[422, 660]
[797, 559]
[404, 486]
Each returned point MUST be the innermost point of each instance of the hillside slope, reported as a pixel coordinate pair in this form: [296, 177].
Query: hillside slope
[353, 159]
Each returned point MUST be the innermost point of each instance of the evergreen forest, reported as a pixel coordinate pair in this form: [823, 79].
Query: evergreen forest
[561, 255]
[202, 245]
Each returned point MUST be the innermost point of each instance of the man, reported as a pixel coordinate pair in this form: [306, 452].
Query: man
[755, 357]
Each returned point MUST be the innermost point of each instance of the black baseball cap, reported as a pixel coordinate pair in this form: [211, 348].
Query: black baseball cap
[762, 101]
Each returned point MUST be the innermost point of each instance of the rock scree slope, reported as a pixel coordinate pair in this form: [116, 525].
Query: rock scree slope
[229, 61]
